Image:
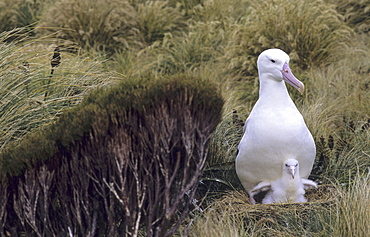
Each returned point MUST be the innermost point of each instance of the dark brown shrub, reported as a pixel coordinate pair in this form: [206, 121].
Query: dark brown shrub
[126, 161]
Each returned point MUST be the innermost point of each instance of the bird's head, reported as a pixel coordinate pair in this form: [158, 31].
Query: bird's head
[291, 167]
[275, 63]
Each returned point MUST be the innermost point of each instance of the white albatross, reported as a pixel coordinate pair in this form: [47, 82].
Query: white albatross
[290, 187]
[275, 130]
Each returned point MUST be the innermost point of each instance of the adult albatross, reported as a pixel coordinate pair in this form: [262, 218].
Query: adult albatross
[275, 130]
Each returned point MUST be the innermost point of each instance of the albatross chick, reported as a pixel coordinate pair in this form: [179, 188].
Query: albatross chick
[290, 187]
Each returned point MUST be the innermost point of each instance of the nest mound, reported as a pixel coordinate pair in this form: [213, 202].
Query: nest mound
[237, 203]
[324, 194]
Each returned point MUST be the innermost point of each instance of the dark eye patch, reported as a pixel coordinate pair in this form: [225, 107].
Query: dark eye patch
[273, 61]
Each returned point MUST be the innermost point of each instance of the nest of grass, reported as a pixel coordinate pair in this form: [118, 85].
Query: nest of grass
[239, 200]
[275, 219]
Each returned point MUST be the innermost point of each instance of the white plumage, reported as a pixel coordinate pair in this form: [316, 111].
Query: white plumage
[275, 130]
[290, 187]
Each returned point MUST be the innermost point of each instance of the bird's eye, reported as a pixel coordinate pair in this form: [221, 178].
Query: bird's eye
[286, 165]
[273, 61]
[296, 165]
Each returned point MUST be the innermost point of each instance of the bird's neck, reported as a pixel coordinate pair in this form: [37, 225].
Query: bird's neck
[274, 91]
[287, 183]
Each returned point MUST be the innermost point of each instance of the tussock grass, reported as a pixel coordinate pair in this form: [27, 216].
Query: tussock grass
[352, 159]
[320, 117]
[226, 139]
[186, 6]
[21, 13]
[352, 214]
[356, 13]
[312, 32]
[219, 175]
[344, 84]
[156, 18]
[125, 63]
[25, 81]
[218, 225]
[226, 12]
[99, 25]
[7, 16]
[184, 53]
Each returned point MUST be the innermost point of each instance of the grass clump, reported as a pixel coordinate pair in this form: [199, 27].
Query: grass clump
[344, 82]
[218, 225]
[312, 33]
[7, 16]
[21, 13]
[224, 12]
[99, 25]
[352, 217]
[186, 6]
[156, 18]
[30, 96]
[186, 52]
[356, 14]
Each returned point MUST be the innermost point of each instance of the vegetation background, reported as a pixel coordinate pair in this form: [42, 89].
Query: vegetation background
[103, 42]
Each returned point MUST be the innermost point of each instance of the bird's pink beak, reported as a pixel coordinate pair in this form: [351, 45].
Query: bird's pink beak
[291, 79]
